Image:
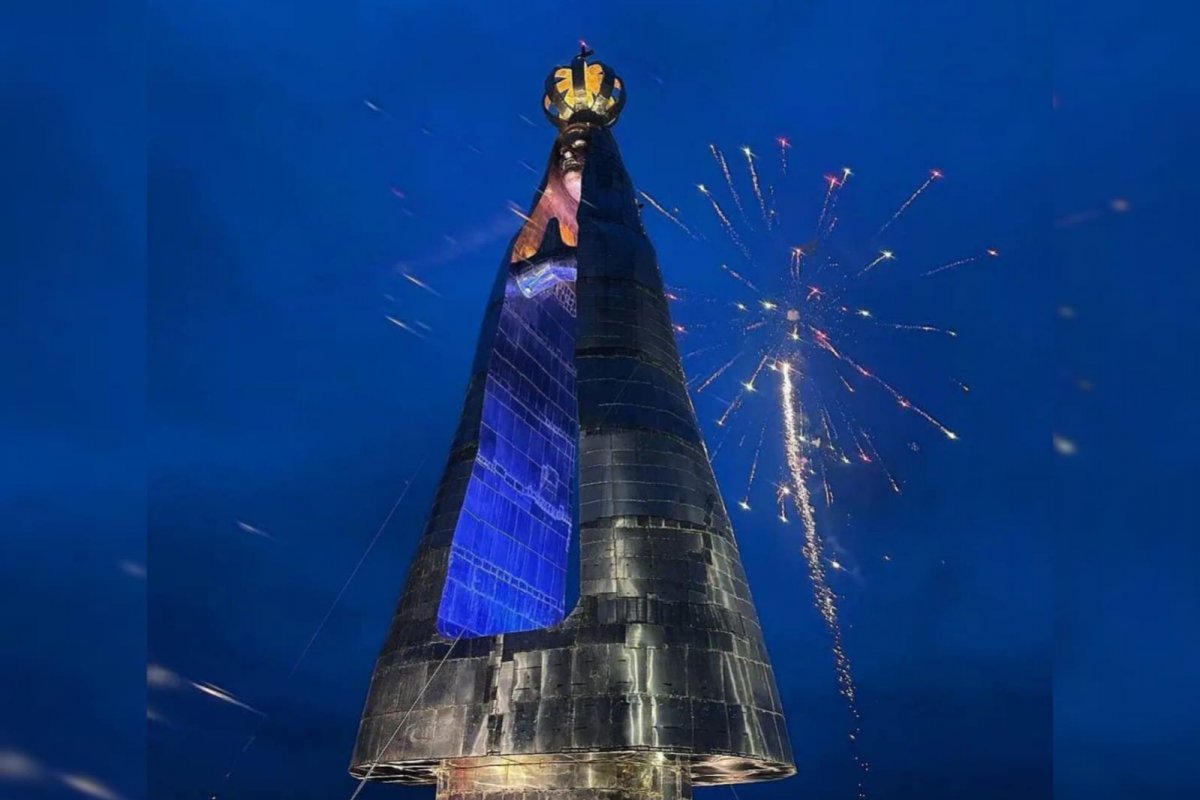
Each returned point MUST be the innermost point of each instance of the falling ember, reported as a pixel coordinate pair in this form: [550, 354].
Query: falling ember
[720, 157]
[784, 144]
[762, 203]
[823, 595]
[658, 207]
[933, 176]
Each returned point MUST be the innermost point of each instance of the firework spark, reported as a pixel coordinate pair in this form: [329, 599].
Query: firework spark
[725, 223]
[990, 252]
[784, 144]
[399, 323]
[762, 203]
[934, 175]
[720, 158]
[879, 460]
[745, 504]
[900, 399]
[415, 281]
[835, 193]
[884, 255]
[739, 276]
[833, 182]
[900, 326]
[659, 208]
[733, 406]
[720, 371]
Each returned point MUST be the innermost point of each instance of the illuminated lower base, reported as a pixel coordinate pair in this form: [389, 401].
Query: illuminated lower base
[641, 776]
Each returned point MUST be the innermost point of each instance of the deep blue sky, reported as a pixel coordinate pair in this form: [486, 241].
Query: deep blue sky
[274, 391]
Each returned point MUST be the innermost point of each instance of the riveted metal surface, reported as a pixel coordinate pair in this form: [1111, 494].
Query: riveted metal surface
[659, 678]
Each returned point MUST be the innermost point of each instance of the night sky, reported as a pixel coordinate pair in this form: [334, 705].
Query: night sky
[273, 207]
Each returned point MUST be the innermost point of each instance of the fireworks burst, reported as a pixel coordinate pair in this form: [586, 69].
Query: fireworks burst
[797, 321]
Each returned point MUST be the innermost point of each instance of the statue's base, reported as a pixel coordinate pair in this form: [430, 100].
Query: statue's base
[565, 777]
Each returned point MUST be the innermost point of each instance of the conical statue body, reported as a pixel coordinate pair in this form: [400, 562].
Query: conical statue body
[659, 678]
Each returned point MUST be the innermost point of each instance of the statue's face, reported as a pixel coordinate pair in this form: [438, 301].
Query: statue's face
[572, 153]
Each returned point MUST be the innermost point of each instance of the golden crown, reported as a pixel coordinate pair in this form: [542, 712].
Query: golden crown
[585, 90]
